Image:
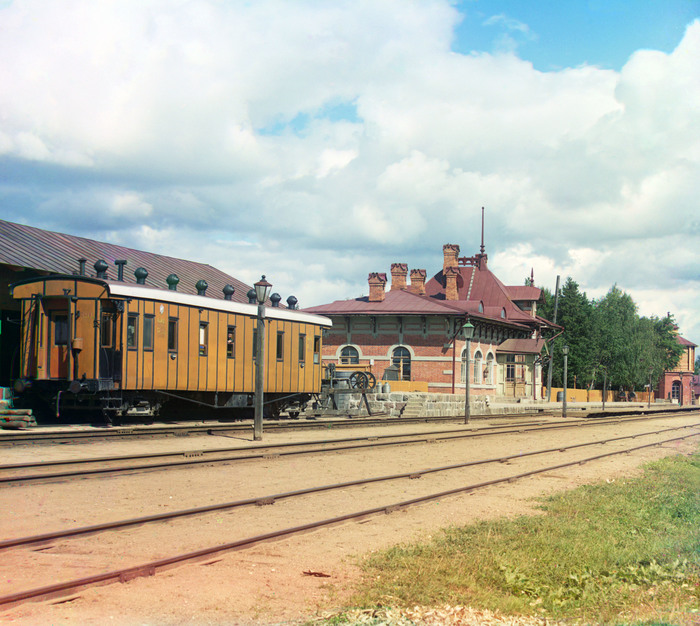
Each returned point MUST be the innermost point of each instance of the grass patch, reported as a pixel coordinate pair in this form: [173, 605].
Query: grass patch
[614, 553]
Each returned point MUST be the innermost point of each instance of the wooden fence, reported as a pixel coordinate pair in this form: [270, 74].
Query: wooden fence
[596, 395]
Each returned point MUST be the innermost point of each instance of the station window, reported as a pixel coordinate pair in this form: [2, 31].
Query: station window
[280, 345]
[132, 326]
[515, 368]
[230, 342]
[203, 338]
[60, 330]
[172, 334]
[401, 358]
[302, 348]
[148, 322]
[349, 356]
[317, 350]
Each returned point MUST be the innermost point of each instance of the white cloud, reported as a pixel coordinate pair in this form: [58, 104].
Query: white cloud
[209, 122]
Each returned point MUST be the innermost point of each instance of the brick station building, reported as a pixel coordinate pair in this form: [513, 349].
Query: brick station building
[677, 384]
[415, 327]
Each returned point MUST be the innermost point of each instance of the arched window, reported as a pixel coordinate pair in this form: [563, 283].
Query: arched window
[349, 356]
[488, 370]
[401, 358]
[476, 375]
[676, 390]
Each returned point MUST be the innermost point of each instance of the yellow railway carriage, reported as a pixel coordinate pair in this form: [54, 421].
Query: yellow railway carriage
[91, 344]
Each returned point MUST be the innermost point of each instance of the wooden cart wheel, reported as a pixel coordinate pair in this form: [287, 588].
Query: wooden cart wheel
[358, 380]
[371, 381]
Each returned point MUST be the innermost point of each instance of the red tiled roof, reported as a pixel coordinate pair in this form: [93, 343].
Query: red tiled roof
[58, 253]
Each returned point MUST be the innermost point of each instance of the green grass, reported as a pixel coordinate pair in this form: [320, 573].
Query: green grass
[626, 552]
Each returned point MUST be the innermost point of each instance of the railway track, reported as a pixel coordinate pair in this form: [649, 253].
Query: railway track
[50, 435]
[114, 465]
[382, 503]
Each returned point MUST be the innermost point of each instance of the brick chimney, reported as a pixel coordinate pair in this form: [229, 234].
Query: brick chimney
[451, 273]
[450, 253]
[418, 282]
[377, 282]
[398, 275]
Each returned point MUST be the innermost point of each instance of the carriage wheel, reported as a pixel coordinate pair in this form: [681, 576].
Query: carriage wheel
[359, 380]
[371, 380]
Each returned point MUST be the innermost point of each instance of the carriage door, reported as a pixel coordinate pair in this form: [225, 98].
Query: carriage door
[58, 343]
[110, 363]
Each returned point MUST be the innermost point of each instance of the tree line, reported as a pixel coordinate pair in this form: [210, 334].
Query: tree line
[607, 338]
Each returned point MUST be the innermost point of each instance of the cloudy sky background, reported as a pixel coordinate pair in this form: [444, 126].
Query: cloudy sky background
[318, 141]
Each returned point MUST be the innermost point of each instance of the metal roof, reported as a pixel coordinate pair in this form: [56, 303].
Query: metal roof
[480, 285]
[521, 346]
[477, 288]
[127, 291]
[396, 302]
[524, 292]
[57, 253]
[684, 342]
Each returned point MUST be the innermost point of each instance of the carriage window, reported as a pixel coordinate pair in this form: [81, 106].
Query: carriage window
[280, 346]
[106, 330]
[255, 343]
[60, 330]
[317, 350]
[231, 342]
[172, 334]
[302, 348]
[203, 338]
[148, 321]
[132, 324]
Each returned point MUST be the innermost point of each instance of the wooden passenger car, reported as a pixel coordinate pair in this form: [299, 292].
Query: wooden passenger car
[96, 344]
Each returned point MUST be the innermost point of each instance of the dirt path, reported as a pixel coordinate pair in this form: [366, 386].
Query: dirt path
[270, 583]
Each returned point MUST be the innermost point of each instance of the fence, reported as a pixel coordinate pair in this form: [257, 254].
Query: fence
[596, 395]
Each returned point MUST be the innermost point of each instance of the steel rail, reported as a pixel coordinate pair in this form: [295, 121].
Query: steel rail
[372, 443]
[270, 499]
[156, 455]
[140, 431]
[152, 567]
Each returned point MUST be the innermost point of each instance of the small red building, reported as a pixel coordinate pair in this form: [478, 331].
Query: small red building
[677, 384]
[412, 331]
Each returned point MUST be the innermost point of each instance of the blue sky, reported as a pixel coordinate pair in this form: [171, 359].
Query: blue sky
[552, 34]
[316, 142]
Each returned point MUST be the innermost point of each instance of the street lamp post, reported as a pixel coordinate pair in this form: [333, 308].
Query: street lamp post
[605, 385]
[262, 291]
[565, 351]
[468, 331]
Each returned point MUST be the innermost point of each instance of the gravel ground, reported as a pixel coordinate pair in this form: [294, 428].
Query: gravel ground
[290, 580]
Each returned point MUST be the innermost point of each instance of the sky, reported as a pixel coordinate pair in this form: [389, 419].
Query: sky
[316, 142]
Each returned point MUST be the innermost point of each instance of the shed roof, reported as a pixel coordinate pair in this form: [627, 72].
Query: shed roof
[28, 247]
[521, 346]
